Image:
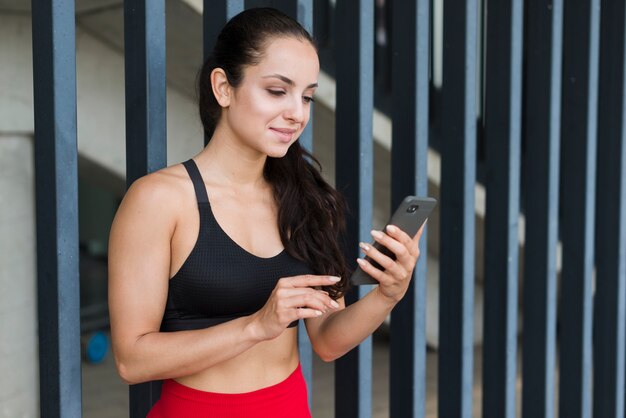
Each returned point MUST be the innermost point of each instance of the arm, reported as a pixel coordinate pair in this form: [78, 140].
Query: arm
[336, 333]
[139, 264]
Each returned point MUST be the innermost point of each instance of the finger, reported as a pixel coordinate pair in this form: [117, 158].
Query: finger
[400, 249]
[299, 313]
[398, 234]
[286, 293]
[396, 269]
[303, 313]
[310, 280]
[306, 300]
[412, 244]
[404, 260]
[368, 268]
[373, 253]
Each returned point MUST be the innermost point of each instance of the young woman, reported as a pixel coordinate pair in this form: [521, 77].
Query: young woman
[212, 262]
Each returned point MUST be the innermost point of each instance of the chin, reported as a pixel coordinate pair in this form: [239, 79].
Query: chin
[277, 153]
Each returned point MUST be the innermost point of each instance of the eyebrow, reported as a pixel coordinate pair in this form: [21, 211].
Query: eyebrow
[288, 80]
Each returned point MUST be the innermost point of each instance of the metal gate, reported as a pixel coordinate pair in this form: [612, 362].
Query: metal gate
[545, 133]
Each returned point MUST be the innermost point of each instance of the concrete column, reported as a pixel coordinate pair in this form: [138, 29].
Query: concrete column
[19, 364]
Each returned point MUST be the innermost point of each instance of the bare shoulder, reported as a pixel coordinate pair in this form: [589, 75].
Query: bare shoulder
[155, 197]
[160, 186]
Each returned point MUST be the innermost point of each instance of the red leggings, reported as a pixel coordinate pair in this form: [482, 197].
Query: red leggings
[287, 399]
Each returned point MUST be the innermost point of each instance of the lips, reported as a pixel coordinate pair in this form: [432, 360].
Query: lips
[284, 134]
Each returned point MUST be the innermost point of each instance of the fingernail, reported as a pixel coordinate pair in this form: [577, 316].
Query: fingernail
[334, 304]
[360, 261]
[334, 279]
[377, 234]
[391, 228]
[318, 313]
[364, 246]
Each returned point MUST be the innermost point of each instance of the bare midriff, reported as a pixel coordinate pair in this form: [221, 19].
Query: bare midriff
[265, 364]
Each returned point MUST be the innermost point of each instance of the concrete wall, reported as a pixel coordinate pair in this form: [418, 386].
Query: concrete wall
[19, 373]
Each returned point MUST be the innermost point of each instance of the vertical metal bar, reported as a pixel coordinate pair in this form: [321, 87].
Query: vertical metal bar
[56, 167]
[610, 247]
[542, 108]
[321, 22]
[301, 10]
[144, 52]
[259, 3]
[354, 150]
[503, 154]
[409, 155]
[579, 135]
[306, 359]
[458, 175]
[144, 46]
[215, 14]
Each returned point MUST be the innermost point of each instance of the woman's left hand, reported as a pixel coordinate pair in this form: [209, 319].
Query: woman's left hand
[395, 278]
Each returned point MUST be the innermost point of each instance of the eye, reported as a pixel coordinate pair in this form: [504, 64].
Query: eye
[308, 99]
[275, 92]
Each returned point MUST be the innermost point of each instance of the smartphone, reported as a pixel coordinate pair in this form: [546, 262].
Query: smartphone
[409, 217]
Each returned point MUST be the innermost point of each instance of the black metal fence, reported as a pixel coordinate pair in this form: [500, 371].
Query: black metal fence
[548, 125]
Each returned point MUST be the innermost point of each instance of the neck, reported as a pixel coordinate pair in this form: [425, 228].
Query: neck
[228, 161]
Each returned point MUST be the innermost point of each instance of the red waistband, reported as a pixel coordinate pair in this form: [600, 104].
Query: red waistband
[287, 399]
[280, 391]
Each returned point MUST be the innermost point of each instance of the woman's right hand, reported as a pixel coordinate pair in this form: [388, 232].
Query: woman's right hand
[293, 298]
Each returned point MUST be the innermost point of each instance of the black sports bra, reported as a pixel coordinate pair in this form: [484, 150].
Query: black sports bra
[220, 281]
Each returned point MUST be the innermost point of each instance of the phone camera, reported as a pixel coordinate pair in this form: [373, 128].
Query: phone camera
[412, 208]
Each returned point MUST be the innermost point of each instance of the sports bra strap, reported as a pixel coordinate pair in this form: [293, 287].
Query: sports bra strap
[196, 178]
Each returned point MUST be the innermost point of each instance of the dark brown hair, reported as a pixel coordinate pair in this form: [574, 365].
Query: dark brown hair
[310, 212]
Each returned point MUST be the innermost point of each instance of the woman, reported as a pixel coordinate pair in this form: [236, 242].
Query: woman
[213, 262]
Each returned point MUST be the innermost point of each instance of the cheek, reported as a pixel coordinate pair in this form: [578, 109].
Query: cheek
[258, 105]
[242, 118]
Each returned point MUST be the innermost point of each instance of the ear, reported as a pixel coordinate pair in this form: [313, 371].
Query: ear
[221, 87]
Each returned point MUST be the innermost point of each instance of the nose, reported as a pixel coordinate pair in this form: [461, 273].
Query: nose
[296, 111]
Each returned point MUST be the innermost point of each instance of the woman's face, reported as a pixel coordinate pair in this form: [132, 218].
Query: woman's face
[271, 107]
